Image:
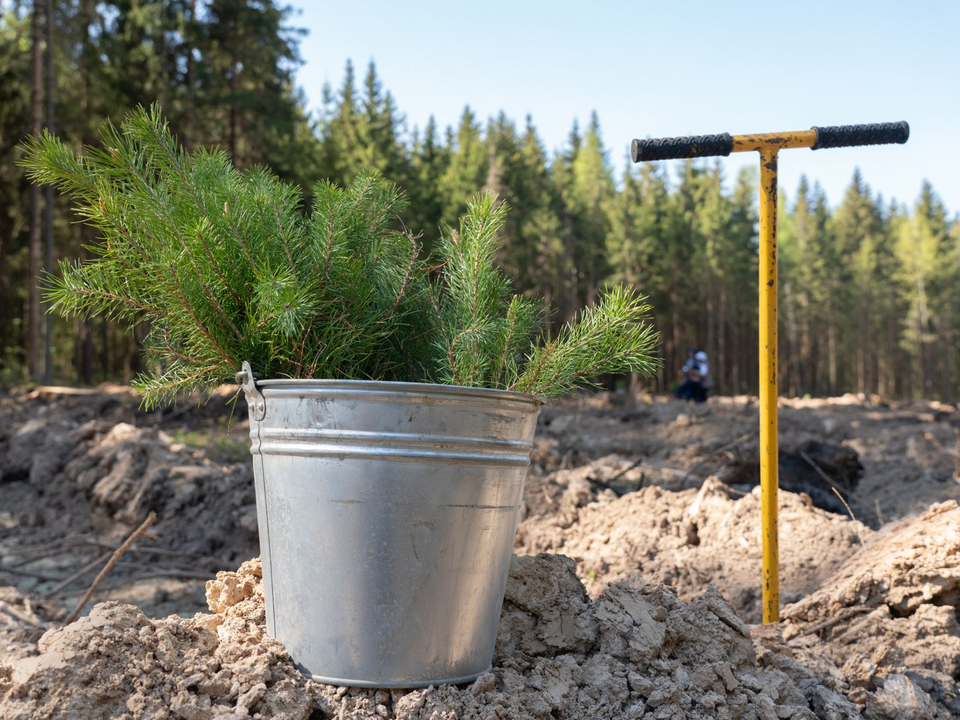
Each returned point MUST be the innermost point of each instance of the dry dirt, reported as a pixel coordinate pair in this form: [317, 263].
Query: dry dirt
[78, 473]
[657, 499]
[636, 650]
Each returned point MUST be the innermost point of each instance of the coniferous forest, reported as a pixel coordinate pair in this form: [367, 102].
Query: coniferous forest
[870, 290]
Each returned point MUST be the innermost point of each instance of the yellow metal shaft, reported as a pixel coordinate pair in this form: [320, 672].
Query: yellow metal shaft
[768, 144]
[768, 382]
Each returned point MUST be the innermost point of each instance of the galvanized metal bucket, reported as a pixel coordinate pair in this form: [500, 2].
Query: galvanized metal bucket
[387, 514]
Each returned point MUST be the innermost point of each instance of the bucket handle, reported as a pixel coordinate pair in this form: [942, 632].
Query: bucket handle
[255, 402]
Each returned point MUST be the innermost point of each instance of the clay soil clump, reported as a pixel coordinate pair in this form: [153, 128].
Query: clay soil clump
[689, 539]
[637, 651]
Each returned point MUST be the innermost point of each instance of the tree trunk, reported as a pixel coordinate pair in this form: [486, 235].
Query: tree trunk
[48, 204]
[33, 269]
[796, 384]
[889, 386]
[85, 335]
[721, 373]
[709, 337]
[738, 376]
[861, 370]
[832, 352]
[807, 344]
[672, 358]
[85, 338]
[186, 125]
[104, 348]
[922, 320]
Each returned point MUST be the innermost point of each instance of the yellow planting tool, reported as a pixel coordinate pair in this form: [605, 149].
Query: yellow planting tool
[768, 145]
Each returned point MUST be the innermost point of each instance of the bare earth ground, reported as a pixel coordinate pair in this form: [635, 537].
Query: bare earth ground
[657, 499]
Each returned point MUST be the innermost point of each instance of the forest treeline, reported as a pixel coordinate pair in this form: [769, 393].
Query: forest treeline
[870, 291]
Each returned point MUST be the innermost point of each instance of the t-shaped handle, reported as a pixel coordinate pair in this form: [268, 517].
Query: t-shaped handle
[725, 143]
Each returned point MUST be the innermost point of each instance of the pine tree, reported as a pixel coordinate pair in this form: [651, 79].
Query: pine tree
[737, 293]
[467, 170]
[591, 190]
[862, 244]
[517, 171]
[226, 268]
[561, 176]
[920, 244]
[540, 226]
[16, 64]
[33, 292]
[381, 132]
[803, 269]
[851, 281]
[429, 163]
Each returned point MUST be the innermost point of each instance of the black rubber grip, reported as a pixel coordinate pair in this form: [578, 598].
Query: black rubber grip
[852, 135]
[681, 147]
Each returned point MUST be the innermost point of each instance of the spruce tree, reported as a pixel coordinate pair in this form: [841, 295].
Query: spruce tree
[467, 169]
[429, 163]
[344, 133]
[382, 128]
[591, 190]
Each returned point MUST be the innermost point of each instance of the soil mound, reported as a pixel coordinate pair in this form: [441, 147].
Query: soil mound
[23, 620]
[106, 472]
[636, 651]
[77, 475]
[888, 617]
[633, 495]
[687, 539]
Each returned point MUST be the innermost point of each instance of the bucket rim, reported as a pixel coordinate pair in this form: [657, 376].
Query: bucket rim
[412, 387]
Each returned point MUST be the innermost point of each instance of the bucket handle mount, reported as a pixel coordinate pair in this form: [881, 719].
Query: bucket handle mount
[255, 402]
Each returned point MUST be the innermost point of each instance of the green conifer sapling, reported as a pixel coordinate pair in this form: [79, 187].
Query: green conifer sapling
[225, 266]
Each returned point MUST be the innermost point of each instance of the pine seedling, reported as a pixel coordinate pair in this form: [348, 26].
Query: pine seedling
[225, 266]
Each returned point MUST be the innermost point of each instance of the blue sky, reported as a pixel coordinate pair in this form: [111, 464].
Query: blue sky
[671, 68]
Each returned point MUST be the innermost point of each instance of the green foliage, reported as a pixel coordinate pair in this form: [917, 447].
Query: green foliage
[603, 339]
[226, 267]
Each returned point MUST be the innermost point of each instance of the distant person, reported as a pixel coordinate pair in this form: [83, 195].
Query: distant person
[687, 387]
[706, 379]
[696, 377]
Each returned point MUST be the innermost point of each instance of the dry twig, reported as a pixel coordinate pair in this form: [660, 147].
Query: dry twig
[151, 551]
[117, 554]
[834, 487]
[92, 565]
[714, 453]
[28, 573]
[849, 512]
[842, 616]
[33, 553]
[826, 478]
[173, 573]
[8, 609]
